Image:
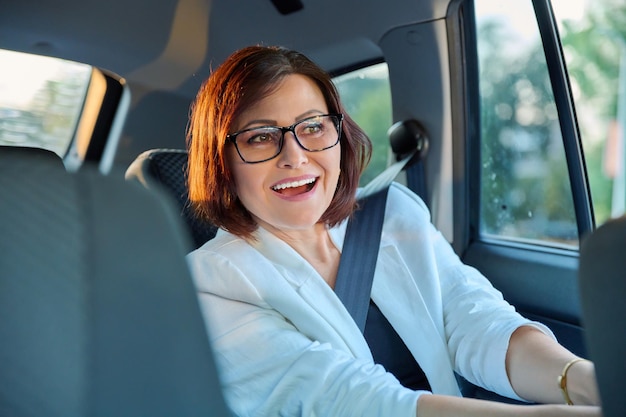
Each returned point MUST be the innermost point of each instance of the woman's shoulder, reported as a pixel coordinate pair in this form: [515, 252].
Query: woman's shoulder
[220, 266]
[404, 210]
[225, 252]
[402, 204]
[401, 197]
[223, 242]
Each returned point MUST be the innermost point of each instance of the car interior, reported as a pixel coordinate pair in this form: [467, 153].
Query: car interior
[99, 310]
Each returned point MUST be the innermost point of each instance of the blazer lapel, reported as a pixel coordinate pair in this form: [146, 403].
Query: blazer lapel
[346, 334]
[314, 308]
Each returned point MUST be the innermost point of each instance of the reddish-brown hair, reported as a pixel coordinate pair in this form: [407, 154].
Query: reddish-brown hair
[245, 78]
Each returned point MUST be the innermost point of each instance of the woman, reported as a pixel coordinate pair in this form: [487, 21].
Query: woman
[274, 161]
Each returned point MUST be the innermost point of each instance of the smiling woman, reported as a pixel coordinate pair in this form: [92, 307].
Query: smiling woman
[478, 255]
[266, 281]
[222, 110]
[292, 193]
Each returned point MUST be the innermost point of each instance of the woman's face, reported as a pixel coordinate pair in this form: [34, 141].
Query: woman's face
[293, 190]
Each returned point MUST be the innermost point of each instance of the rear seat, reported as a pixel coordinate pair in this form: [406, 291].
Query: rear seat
[99, 313]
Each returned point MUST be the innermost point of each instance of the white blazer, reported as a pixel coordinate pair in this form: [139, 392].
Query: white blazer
[285, 344]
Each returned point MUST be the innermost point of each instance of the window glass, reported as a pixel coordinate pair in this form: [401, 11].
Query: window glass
[40, 100]
[366, 95]
[593, 34]
[525, 192]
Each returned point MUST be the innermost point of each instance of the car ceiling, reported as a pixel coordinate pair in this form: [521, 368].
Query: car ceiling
[171, 45]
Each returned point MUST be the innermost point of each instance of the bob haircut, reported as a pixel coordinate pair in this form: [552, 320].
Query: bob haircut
[244, 79]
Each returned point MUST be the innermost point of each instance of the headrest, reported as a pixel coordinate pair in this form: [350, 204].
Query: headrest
[30, 155]
[166, 169]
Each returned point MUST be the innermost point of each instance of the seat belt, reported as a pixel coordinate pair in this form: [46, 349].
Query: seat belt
[358, 257]
[416, 180]
[410, 136]
[355, 275]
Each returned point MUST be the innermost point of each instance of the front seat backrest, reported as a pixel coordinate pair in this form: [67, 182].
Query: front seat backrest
[99, 315]
[165, 169]
[602, 278]
[33, 154]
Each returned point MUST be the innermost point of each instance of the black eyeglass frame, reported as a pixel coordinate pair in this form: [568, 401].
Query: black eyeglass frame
[232, 137]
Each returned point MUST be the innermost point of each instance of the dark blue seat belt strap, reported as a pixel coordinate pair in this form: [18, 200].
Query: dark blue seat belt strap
[360, 252]
[416, 179]
[354, 280]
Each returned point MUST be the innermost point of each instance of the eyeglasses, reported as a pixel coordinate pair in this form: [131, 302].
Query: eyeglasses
[313, 134]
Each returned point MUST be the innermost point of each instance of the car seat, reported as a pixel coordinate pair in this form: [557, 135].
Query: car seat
[166, 169]
[602, 282]
[33, 154]
[99, 312]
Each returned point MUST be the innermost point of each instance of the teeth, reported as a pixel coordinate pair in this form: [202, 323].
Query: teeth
[293, 184]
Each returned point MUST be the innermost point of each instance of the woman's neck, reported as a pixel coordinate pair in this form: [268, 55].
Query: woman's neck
[316, 246]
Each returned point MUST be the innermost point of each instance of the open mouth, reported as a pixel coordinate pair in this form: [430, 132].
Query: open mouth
[295, 187]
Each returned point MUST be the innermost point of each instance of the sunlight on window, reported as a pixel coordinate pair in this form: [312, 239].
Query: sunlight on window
[522, 19]
[40, 100]
[594, 45]
[525, 191]
[569, 9]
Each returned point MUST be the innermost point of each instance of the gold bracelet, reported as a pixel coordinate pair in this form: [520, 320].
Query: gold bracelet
[563, 380]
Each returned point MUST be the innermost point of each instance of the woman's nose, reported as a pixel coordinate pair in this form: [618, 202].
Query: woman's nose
[292, 155]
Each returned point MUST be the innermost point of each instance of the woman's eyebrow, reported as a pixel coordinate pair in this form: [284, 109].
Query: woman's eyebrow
[260, 122]
[309, 113]
[268, 122]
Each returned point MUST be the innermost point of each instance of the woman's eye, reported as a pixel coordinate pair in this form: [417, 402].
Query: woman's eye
[260, 138]
[312, 128]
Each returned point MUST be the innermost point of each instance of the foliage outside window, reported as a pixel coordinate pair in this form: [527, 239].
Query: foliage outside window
[594, 45]
[366, 95]
[525, 189]
[40, 100]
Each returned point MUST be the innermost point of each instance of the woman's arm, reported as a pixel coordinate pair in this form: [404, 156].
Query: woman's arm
[534, 362]
[444, 406]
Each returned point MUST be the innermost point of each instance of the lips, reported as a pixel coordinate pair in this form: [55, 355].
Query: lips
[295, 187]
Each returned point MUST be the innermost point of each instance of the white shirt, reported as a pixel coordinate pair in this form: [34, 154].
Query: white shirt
[285, 345]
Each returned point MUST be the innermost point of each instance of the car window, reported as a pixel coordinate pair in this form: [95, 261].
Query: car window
[366, 95]
[40, 100]
[525, 194]
[594, 45]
